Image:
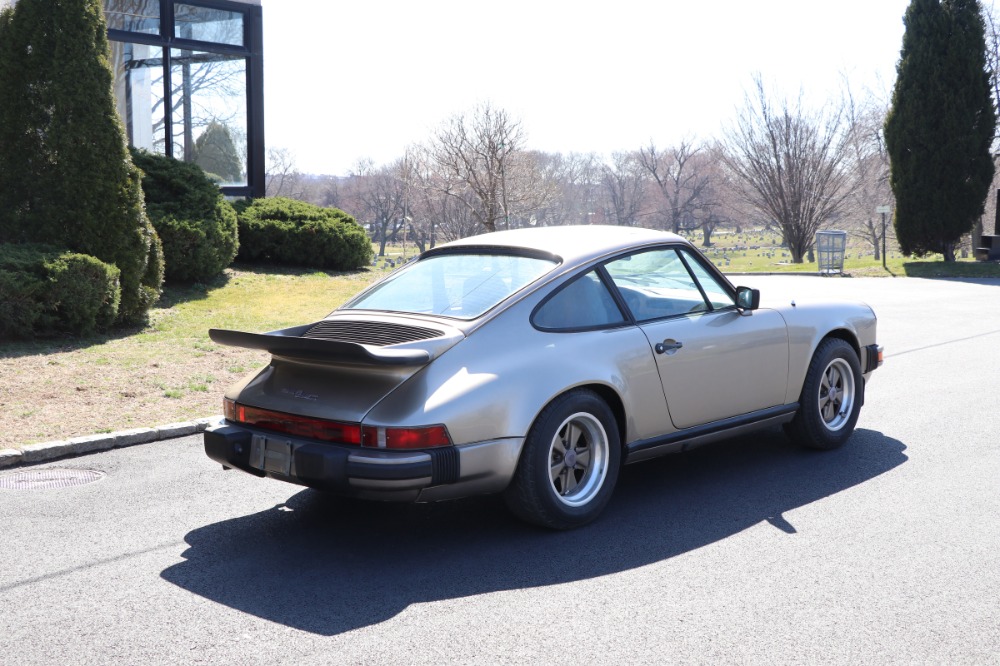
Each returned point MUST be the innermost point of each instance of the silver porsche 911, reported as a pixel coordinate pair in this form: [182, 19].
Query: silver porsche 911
[535, 363]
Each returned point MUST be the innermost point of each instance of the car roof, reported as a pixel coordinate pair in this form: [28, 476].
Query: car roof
[574, 244]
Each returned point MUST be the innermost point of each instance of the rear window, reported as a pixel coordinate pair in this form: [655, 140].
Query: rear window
[455, 285]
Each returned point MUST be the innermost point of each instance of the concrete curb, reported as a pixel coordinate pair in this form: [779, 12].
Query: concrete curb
[75, 446]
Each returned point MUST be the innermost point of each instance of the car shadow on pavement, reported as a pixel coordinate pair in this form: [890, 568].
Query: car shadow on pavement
[328, 565]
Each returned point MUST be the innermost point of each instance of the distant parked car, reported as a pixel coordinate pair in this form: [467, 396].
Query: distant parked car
[535, 363]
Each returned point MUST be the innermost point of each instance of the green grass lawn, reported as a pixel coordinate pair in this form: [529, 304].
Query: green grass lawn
[761, 252]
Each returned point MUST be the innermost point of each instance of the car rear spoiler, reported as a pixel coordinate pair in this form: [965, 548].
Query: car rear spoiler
[288, 343]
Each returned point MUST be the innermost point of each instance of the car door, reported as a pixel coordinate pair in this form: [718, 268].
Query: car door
[714, 361]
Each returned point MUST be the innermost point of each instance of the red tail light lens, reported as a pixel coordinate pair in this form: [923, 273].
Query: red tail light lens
[425, 437]
[292, 424]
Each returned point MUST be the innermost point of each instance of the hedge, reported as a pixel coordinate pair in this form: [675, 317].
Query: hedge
[286, 231]
[66, 178]
[195, 223]
[45, 290]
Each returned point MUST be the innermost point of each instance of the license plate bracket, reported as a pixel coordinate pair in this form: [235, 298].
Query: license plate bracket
[271, 455]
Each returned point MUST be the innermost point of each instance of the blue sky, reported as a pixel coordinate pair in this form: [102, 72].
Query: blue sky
[350, 80]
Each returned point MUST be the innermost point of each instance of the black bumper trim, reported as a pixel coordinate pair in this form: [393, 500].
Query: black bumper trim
[445, 465]
[230, 446]
[325, 465]
[871, 358]
[321, 465]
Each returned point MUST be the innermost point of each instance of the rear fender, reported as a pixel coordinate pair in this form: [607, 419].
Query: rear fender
[810, 324]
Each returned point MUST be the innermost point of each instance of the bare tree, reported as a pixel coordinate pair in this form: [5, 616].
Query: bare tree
[448, 217]
[381, 194]
[992, 30]
[680, 181]
[472, 153]
[624, 181]
[481, 163]
[435, 203]
[788, 164]
[570, 179]
[281, 177]
[716, 208]
[327, 191]
[868, 167]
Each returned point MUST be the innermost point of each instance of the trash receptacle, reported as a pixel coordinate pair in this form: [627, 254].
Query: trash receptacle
[830, 247]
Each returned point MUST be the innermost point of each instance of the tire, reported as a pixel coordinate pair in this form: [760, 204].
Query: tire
[562, 487]
[831, 397]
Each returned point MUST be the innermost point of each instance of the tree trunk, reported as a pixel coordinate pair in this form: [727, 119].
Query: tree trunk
[996, 216]
[977, 236]
[948, 251]
[382, 239]
[418, 239]
[706, 237]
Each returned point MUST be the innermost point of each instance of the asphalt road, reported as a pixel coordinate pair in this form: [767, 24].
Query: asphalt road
[750, 551]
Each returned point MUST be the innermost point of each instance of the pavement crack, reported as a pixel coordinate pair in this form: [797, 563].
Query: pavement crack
[90, 565]
[942, 344]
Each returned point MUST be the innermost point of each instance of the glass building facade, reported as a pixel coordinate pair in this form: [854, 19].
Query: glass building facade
[189, 84]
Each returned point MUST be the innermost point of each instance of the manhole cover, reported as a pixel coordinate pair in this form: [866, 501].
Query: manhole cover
[40, 479]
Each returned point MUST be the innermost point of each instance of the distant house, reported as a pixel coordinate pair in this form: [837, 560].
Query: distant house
[189, 83]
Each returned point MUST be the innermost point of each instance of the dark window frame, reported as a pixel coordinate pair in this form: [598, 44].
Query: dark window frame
[685, 254]
[252, 50]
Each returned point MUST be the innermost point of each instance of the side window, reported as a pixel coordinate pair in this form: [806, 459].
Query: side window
[583, 303]
[717, 294]
[656, 284]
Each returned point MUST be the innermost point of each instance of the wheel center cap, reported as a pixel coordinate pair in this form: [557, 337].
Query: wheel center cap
[833, 393]
[570, 459]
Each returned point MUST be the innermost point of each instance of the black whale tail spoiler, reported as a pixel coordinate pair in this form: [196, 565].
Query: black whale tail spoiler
[289, 343]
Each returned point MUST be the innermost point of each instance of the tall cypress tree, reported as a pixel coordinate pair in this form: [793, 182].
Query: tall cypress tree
[66, 177]
[940, 127]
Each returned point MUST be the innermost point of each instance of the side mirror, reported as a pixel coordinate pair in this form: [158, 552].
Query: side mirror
[747, 298]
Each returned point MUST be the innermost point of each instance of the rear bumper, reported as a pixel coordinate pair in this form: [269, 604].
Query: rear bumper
[424, 475]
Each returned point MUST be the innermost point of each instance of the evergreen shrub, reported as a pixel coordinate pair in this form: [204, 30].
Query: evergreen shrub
[195, 223]
[291, 232]
[45, 290]
[66, 177]
[941, 127]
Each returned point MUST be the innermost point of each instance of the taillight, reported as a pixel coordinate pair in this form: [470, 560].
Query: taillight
[424, 437]
[292, 424]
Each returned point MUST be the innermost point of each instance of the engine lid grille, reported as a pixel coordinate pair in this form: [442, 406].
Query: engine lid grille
[379, 334]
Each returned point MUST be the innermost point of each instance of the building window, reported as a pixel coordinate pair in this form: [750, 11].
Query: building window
[188, 83]
[139, 93]
[133, 15]
[210, 113]
[208, 25]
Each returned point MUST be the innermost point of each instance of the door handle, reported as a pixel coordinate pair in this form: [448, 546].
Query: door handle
[668, 346]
